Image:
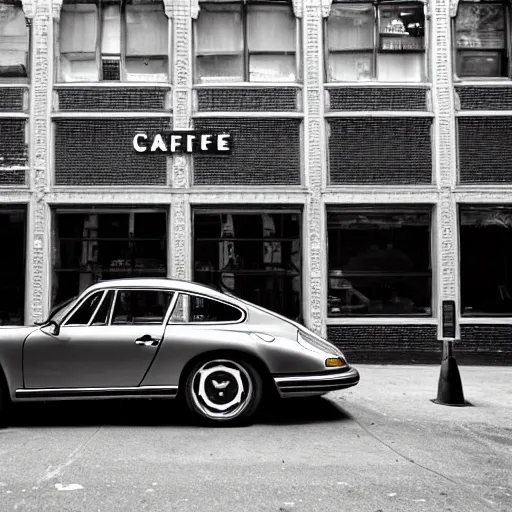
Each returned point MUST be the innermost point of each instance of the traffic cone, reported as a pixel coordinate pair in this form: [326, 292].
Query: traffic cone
[449, 390]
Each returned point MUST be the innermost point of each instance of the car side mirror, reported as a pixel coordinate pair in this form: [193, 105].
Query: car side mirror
[53, 328]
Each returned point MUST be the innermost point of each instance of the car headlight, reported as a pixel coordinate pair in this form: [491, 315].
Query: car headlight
[312, 342]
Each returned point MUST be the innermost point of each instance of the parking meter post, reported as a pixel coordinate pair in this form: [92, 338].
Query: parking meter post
[449, 390]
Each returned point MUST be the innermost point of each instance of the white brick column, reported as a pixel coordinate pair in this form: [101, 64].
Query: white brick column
[38, 232]
[315, 241]
[180, 229]
[443, 100]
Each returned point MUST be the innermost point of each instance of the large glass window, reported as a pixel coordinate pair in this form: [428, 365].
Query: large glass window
[14, 42]
[481, 42]
[486, 260]
[253, 255]
[246, 41]
[382, 41]
[12, 266]
[99, 245]
[379, 261]
[113, 40]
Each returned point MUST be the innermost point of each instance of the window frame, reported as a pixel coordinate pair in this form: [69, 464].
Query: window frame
[244, 7]
[99, 57]
[77, 306]
[22, 79]
[474, 317]
[179, 293]
[426, 67]
[105, 292]
[389, 209]
[131, 212]
[507, 51]
[232, 209]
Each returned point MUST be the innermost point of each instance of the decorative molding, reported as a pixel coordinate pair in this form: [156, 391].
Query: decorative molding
[447, 256]
[244, 198]
[454, 6]
[29, 8]
[39, 250]
[168, 8]
[298, 7]
[194, 9]
[179, 239]
[372, 196]
[56, 9]
[325, 6]
[314, 271]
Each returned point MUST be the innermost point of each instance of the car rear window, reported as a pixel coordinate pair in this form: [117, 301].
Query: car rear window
[197, 309]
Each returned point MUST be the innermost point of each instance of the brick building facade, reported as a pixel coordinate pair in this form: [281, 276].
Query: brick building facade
[369, 184]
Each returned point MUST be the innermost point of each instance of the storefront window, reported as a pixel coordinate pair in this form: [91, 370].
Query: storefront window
[98, 245]
[12, 266]
[486, 260]
[253, 255]
[379, 261]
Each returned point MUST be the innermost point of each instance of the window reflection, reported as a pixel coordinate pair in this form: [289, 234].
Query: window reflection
[379, 262]
[486, 260]
[89, 247]
[253, 255]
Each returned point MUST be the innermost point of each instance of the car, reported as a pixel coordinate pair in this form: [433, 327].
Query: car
[167, 338]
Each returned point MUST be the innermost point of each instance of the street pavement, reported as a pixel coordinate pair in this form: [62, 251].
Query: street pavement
[381, 446]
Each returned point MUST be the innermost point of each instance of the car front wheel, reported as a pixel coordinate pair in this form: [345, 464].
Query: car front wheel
[224, 391]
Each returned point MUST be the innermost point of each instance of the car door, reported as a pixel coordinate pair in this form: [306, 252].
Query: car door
[108, 341]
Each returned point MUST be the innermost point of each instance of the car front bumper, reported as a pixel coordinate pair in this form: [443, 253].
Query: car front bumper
[315, 383]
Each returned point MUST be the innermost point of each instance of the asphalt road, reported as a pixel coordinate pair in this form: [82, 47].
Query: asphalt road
[380, 447]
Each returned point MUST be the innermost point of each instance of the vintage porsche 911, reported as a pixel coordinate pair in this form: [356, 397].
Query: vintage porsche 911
[157, 337]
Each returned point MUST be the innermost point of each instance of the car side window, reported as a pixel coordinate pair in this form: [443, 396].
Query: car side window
[84, 312]
[135, 307]
[197, 309]
[102, 314]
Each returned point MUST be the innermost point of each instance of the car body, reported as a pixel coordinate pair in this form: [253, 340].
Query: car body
[157, 337]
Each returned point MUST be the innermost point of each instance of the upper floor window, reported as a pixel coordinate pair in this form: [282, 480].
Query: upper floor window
[481, 39]
[14, 42]
[114, 41]
[380, 40]
[244, 41]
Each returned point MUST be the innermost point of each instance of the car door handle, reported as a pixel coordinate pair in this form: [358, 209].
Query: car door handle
[146, 340]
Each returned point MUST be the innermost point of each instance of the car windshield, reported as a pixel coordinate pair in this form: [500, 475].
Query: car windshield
[59, 311]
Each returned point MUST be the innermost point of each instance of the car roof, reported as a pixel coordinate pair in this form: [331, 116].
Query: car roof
[158, 282]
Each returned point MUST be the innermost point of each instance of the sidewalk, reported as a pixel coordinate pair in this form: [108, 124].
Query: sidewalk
[409, 389]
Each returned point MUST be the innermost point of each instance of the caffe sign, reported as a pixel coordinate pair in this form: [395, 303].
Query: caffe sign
[182, 142]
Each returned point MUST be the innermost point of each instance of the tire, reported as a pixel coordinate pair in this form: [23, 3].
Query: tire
[223, 392]
[5, 404]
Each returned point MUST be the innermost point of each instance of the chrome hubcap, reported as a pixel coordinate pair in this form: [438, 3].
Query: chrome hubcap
[221, 389]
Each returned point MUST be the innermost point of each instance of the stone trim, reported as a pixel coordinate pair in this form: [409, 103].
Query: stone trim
[56, 9]
[454, 6]
[29, 8]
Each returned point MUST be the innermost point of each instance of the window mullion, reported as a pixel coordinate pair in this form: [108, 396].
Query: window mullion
[376, 38]
[246, 46]
[122, 34]
[99, 59]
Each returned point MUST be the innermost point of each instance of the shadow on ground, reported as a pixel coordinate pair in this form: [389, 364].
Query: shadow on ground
[163, 413]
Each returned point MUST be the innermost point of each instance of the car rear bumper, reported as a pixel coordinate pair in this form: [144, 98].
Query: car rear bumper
[315, 383]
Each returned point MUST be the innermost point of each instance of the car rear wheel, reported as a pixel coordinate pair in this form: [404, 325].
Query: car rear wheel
[224, 391]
